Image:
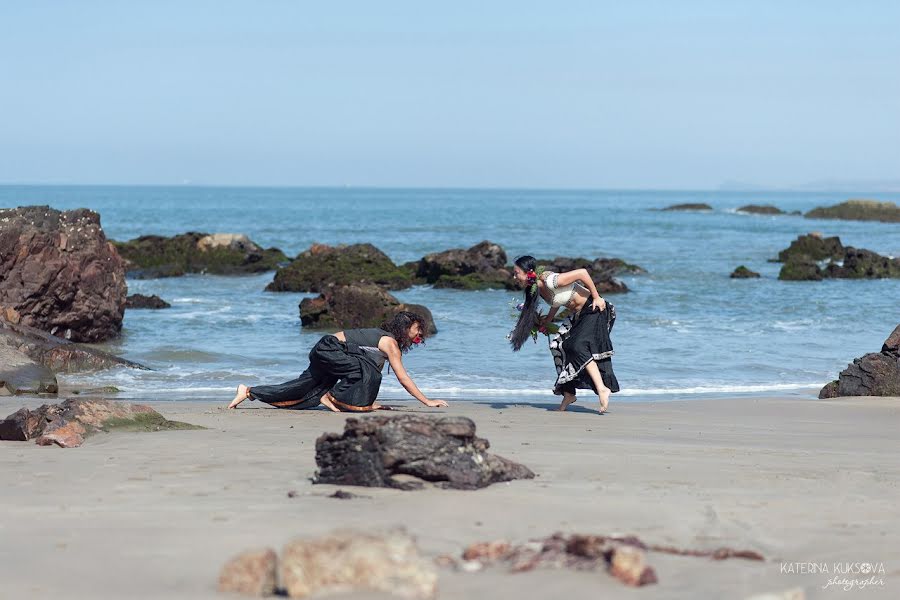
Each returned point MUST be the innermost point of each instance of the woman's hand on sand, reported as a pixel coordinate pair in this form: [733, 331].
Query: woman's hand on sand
[599, 304]
[435, 403]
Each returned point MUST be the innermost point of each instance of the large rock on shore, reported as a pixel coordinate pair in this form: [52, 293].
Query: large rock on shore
[603, 271]
[483, 266]
[57, 354]
[59, 274]
[21, 375]
[67, 424]
[374, 450]
[153, 256]
[356, 306]
[874, 374]
[858, 210]
[323, 266]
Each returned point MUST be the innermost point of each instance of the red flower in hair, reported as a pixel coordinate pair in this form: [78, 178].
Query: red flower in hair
[531, 275]
[417, 340]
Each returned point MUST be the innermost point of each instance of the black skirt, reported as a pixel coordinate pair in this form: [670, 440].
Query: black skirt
[348, 372]
[582, 338]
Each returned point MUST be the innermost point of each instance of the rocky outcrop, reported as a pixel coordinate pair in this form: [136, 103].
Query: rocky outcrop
[141, 301]
[357, 561]
[874, 374]
[483, 266]
[356, 306]
[442, 450]
[323, 266]
[21, 375]
[743, 272]
[153, 256]
[858, 210]
[761, 209]
[688, 206]
[59, 274]
[57, 354]
[67, 424]
[603, 271]
[864, 264]
[846, 262]
[812, 247]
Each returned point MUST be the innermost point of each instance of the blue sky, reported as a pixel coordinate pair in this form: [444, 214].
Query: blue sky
[502, 94]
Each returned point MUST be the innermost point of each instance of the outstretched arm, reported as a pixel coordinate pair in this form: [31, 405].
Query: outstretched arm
[395, 358]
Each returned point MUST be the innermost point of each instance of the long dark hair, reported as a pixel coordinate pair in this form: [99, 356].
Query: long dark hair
[528, 316]
[398, 327]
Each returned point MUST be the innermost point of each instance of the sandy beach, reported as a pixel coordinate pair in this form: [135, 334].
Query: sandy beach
[154, 515]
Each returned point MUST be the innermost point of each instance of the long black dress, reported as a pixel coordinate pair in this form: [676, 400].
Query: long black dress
[582, 338]
[350, 370]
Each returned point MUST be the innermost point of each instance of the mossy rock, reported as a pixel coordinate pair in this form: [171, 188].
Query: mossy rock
[743, 272]
[761, 209]
[322, 267]
[799, 270]
[146, 422]
[357, 306]
[858, 210]
[864, 264]
[689, 206]
[152, 256]
[812, 247]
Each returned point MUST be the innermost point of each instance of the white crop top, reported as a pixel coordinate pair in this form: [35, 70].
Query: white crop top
[562, 295]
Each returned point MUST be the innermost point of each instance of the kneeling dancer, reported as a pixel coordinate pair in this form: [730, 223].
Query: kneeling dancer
[344, 372]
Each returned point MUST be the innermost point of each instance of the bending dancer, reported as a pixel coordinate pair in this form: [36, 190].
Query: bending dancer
[344, 372]
[581, 349]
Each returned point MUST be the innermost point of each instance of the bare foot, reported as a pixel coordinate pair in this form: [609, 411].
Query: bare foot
[326, 402]
[604, 400]
[243, 392]
[567, 400]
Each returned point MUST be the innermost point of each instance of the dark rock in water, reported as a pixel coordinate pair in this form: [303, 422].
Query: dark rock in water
[801, 270]
[812, 247]
[21, 375]
[375, 450]
[761, 209]
[603, 271]
[323, 266]
[856, 263]
[689, 206]
[59, 274]
[743, 272]
[874, 374]
[142, 301]
[858, 210]
[153, 256]
[357, 306]
[57, 354]
[483, 266]
[68, 423]
[864, 264]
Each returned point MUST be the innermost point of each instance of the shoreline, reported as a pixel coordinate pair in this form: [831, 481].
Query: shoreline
[158, 514]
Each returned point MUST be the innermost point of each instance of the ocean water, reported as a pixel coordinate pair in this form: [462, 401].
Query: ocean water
[686, 330]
